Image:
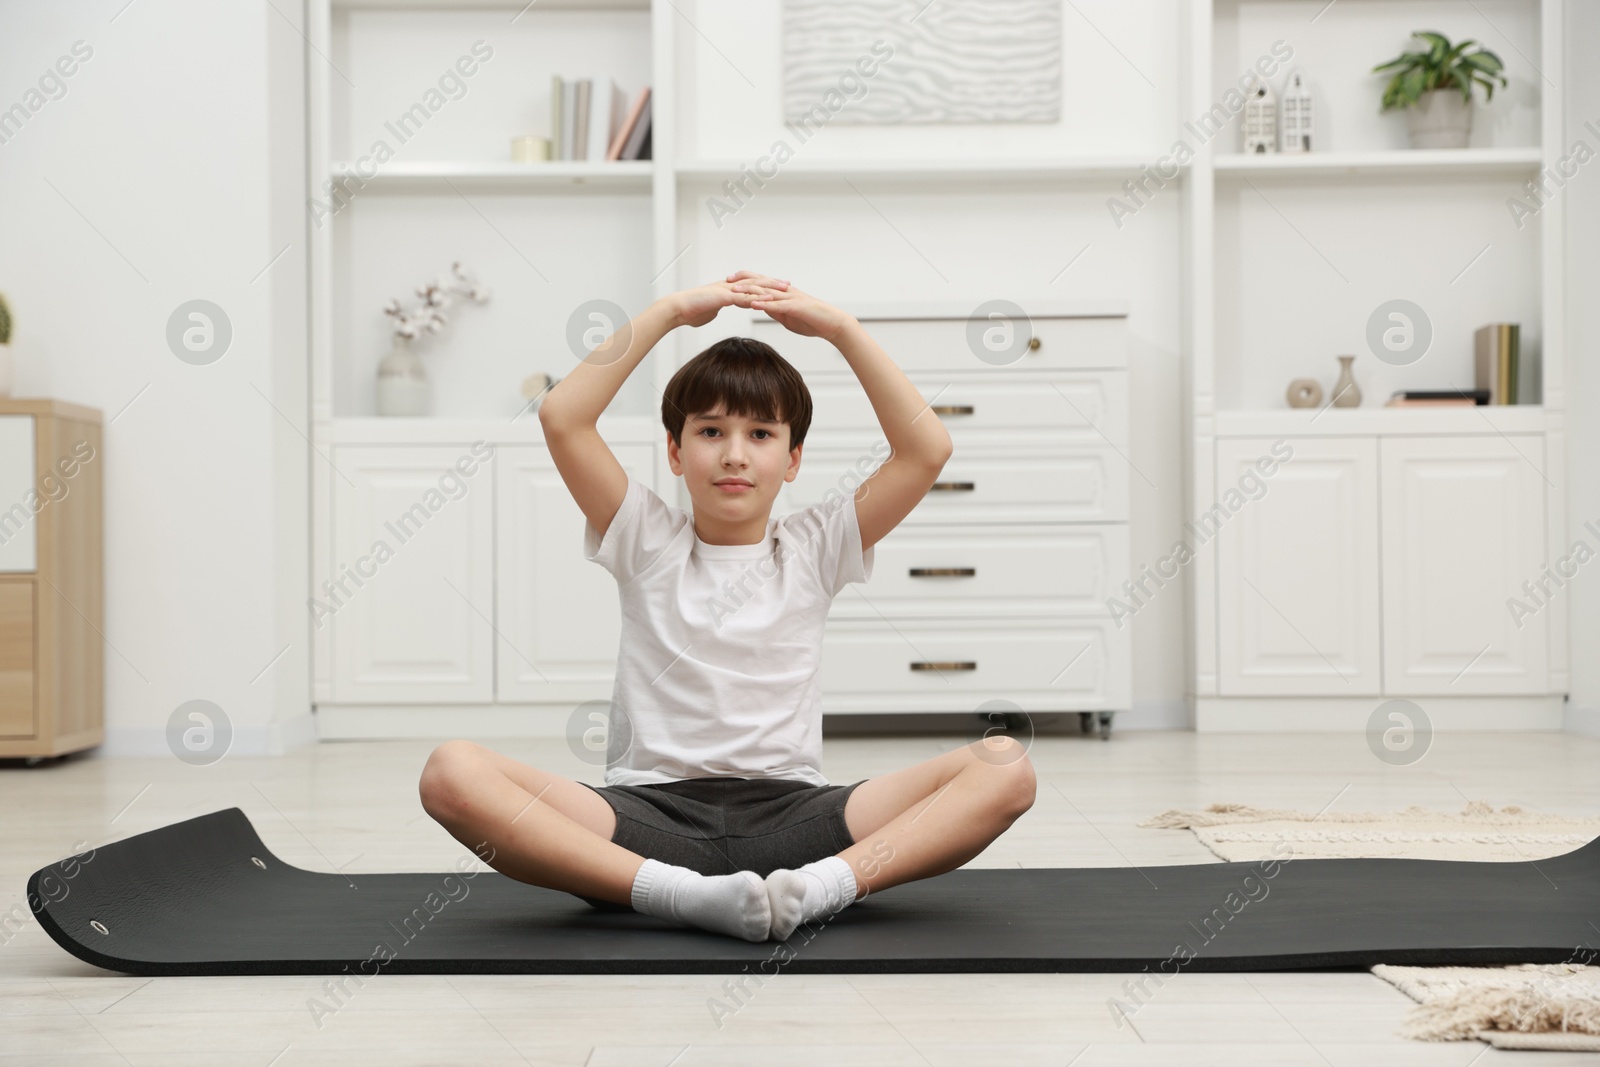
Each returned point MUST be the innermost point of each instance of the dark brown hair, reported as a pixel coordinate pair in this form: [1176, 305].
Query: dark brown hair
[748, 378]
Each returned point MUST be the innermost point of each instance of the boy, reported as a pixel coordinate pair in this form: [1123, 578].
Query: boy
[717, 815]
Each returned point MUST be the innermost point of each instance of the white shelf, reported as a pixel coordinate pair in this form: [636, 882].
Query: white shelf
[1401, 162]
[925, 170]
[1382, 421]
[556, 175]
[525, 430]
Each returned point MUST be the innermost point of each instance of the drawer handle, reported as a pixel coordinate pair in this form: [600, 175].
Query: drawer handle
[952, 409]
[1033, 344]
[944, 665]
[952, 487]
[943, 572]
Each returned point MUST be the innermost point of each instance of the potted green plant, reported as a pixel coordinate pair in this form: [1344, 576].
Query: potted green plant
[1422, 84]
[5, 346]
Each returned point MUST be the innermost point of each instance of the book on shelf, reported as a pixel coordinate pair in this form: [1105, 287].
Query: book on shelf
[580, 117]
[569, 118]
[557, 91]
[633, 137]
[1438, 398]
[587, 125]
[1497, 361]
[608, 120]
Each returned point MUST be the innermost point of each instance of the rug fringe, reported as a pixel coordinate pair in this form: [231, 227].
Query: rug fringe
[1223, 814]
[1460, 1003]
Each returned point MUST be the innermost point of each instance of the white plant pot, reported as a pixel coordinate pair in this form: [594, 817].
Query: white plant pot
[1440, 119]
[5, 370]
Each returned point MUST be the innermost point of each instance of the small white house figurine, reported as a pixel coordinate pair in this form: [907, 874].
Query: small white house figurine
[1295, 129]
[1260, 120]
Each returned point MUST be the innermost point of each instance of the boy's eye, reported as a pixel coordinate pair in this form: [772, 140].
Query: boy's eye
[713, 429]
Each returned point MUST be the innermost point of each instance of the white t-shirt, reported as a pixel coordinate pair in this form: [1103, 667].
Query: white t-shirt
[717, 673]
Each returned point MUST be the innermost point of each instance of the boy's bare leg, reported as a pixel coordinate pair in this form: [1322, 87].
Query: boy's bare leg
[911, 824]
[933, 817]
[542, 828]
[551, 831]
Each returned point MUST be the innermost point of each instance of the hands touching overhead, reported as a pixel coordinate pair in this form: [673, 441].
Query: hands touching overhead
[792, 309]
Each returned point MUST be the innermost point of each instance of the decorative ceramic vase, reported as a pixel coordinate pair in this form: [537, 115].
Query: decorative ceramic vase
[402, 381]
[1346, 393]
[1440, 119]
[1304, 393]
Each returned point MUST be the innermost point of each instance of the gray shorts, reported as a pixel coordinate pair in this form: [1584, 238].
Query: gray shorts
[719, 825]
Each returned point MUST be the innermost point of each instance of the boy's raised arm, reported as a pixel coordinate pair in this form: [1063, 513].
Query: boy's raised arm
[589, 387]
[570, 411]
[919, 443]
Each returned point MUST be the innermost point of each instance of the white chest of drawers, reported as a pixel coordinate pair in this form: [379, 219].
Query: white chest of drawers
[994, 588]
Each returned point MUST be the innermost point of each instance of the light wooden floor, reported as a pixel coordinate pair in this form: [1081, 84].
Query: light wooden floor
[353, 806]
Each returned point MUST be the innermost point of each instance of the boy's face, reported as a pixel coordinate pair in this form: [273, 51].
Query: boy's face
[721, 450]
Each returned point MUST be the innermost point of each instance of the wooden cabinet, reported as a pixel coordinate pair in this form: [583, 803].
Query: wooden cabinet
[52, 654]
[18, 650]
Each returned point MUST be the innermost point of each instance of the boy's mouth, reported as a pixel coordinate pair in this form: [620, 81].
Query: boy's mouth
[733, 485]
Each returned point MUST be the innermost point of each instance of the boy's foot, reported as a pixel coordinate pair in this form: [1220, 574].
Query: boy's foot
[732, 904]
[814, 891]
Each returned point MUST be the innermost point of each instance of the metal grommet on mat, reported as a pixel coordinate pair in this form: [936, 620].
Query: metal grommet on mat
[98, 925]
[257, 861]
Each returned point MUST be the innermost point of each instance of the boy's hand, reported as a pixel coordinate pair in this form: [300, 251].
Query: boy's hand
[700, 305]
[795, 311]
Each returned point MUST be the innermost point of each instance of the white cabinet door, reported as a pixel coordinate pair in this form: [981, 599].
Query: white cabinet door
[413, 570]
[1297, 568]
[1463, 529]
[557, 612]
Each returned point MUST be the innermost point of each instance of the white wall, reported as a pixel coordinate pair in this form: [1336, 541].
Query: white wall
[171, 170]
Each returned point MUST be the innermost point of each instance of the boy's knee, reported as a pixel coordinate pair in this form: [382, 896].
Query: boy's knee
[1004, 763]
[448, 766]
[1022, 785]
[1015, 783]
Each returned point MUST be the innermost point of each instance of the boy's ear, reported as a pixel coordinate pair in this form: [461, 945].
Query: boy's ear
[672, 454]
[794, 463]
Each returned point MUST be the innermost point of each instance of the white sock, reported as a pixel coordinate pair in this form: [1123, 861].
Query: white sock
[732, 904]
[815, 891]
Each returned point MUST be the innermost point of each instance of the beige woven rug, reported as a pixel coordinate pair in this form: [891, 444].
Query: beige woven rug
[1479, 832]
[1554, 1007]
[1532, 1006]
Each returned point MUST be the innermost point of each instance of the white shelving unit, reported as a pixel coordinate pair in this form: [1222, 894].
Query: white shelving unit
[1280, 253]
[1271, 297]
[634, 208]
[528, 207]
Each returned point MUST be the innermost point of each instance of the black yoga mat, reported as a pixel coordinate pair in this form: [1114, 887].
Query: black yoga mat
[205, 896]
